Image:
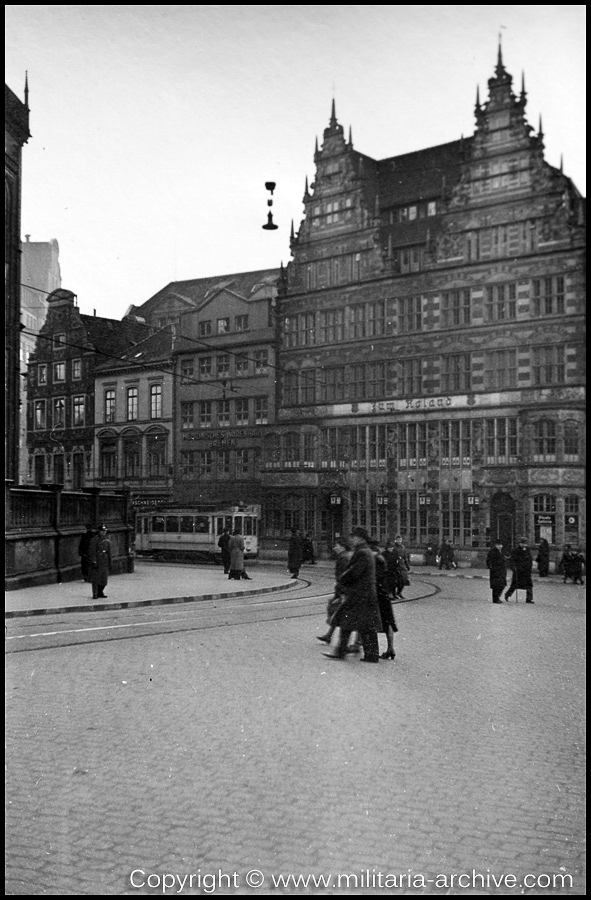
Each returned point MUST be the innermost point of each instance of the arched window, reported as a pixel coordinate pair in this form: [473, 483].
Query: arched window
[544, 444]
[156, 447]
[132, 455]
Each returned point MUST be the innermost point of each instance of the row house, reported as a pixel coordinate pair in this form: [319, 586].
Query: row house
[431, 347]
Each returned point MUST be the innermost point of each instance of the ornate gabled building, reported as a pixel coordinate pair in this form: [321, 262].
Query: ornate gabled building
[61, 389]
[432, 343]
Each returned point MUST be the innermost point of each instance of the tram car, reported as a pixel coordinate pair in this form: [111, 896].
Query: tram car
[191, 533]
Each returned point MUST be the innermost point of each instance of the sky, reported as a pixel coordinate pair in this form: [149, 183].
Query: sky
[155, 128]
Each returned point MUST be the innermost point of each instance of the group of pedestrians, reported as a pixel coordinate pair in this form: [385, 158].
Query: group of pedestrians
[231, 546]
[521, 563]
[367, 579]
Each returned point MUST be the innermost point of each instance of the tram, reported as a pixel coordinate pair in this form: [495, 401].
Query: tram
[188, 532]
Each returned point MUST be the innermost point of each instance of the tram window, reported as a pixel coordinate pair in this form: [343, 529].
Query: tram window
[219, 525]
[187, 524]
[172, 524]
[248, 525]
[201, 524]
[157, 524]
[238, 524]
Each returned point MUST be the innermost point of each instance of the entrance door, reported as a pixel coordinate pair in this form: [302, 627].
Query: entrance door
[502, 520]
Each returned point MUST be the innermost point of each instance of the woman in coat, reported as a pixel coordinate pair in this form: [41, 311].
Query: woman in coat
[236, 548]
[497, 567]
[389, 626]
[359, 610]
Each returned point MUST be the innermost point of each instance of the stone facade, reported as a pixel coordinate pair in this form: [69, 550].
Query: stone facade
[432, 343]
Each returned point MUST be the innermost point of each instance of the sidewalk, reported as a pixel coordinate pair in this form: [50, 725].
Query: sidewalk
[157, 583]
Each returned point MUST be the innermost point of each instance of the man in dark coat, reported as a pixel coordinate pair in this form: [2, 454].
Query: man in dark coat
[522, 564]
[99, 554]
[224, 545]
[543, 558]
[359, 610]
[83, 548]
[294, 553]
[495, 561]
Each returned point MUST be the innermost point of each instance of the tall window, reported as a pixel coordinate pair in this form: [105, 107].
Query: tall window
[205, 463]
[187, 369]
[261, 410]
[455, 308]
[376, 379]
[205, 328]
[242, 462]
[261, 362]
[290, 331]
[412, 445]
[156, 449]
[187, 414]
[501, 445]
[223, 463]
[500, 370]
[357, 382]
[132, 456]
[155, 401]
[307, 334]
[40, 411]
[456, 373]
[76, 369]
[271, 451]
[548, 365]
[292, 449]
[376, 318]
[188, 464]
[241, 364]
[544, 444]
[501, 302]
[108, 459]
[411, 377]
[223, 413]
[109, 405]
[357, 328]
[241, 412]
[223, 364]
[290, 388]
[205, 413]
[410, 316]
[571, 441]
[132, 404]
[335, 383]
[42, 374]
[308, 448]
[456, 517]
[205, 366]
[78, 411]
[308, 385]
[412, 522]
[58, 412]
[332, 326]
[241, 323]
[548, 296]
[59, 371]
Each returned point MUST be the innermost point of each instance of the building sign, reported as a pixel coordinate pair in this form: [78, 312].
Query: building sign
[544, 519]
[571, 522]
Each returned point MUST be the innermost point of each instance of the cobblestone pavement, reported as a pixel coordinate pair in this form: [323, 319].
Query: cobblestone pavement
[242, 749]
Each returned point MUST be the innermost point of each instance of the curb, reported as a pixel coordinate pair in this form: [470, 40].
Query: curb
[133, 604]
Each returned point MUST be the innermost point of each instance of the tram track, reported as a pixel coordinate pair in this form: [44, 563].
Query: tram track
[72, 629]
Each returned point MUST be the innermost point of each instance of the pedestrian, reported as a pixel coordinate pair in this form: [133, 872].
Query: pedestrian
[101, 562]
[446, 554]
[389, 626]
[236, 547]
[342, 554]
[359, 610]
[522, 565]
[401, 567]
[577, 566]
[83, 549]
[497, 567]
[224, 545]
[543, 559]
[566, 566]
[308, 554]
[294, 553]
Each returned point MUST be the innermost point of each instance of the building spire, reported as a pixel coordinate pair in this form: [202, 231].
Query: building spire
[500, 66]
[477, 107]
[333, 115]
[350, 137]
[27, 89]
[540, 131]
[523, 87]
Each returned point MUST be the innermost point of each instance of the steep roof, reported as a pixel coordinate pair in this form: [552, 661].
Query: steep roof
[154, 348]
[111, 336]
[420, 175]
[194, 292]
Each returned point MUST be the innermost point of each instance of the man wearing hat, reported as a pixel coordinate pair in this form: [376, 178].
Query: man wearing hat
[522, 564]
[99, 554]
[497, 567]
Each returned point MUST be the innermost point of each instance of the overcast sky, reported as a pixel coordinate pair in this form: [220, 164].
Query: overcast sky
[155, 128]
